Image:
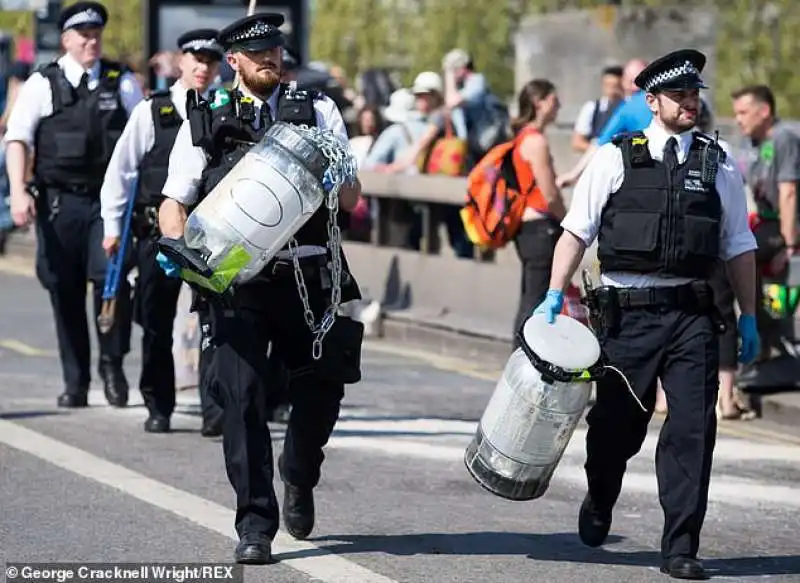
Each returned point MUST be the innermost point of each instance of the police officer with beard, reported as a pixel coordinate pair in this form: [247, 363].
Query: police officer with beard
[268, 309]
[665, 204]
[143, 151]
[71, 112]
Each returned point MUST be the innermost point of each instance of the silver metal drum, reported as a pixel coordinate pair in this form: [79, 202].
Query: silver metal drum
[259, 205]
[535, 408]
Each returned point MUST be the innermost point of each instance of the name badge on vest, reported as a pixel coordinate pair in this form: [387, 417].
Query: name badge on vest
[107, 101]
[694, 185]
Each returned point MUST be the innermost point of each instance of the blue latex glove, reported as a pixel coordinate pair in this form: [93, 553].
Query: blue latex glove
[551, 305]
[750, 341]
[168, 266]
[327, 181]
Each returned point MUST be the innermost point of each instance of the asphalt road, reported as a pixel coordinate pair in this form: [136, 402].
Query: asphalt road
[395, 504]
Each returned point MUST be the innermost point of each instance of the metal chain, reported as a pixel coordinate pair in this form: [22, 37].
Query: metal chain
[341, 169]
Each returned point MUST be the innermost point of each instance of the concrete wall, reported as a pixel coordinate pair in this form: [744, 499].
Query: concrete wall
[570, 48]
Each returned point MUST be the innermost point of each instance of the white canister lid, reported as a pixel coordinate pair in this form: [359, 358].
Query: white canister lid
[566, 343]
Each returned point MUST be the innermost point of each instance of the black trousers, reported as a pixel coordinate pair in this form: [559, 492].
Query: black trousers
[268, 317]
[535, 243]
[155, 306]
[682, 349]
[724, 299]
[209, 399]
[69, 253]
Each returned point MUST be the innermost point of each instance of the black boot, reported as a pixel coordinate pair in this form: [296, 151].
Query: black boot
[254, 549]
[684, 568]
[212, 427]
[157, 424]
[114, 381]
[593, 523]
[74, 399]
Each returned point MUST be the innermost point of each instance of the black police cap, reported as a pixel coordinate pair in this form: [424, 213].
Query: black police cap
[258, 32]
[83, 15]
[676, 71]
[201, 40]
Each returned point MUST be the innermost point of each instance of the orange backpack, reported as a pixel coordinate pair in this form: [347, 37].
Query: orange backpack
[494, 207]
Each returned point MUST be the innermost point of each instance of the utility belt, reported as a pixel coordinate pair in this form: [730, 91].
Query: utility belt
[48, 195]
[606, 303]
[144, 222]
[313, 267]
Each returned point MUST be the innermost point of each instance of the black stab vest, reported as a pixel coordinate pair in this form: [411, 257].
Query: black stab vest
[74, 145]
[661, 221]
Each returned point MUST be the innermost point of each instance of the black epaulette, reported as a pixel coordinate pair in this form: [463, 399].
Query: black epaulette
[163, 109]
[634, 148]
[63, 92]
[159, 93]
[622, 136]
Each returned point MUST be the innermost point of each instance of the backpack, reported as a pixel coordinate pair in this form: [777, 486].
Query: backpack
[493, 212]
[495, 129]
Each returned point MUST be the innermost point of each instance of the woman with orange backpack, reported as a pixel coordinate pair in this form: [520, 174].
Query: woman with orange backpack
[544, 208]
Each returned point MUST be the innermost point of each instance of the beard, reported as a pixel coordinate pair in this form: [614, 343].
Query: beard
[261, 82]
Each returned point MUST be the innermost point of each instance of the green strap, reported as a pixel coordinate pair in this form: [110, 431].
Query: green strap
[230, 266]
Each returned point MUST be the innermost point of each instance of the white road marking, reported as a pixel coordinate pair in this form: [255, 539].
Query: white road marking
[25, 349]
[724, 488]
[319, 564]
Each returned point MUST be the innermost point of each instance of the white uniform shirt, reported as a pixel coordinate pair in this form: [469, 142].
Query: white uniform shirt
[604, 176]
[187, 161]
[35, 100]
[138, 138]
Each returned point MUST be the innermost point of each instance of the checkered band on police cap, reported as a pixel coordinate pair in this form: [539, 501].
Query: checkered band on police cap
[686, 69]
[89, 16]
[256, 30]
[202, 44]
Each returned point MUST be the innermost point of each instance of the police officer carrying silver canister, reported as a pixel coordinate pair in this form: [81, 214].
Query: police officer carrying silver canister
[143, 151]
[268, 309]
[71, 112]
[664, 205]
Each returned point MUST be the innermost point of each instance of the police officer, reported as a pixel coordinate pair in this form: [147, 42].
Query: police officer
[267, 308]
[664, 204]
[143, 151]
[71, 112]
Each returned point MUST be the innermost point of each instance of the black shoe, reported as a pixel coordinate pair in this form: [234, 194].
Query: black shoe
[684, 568]
[156, 424]
[280, 414]
[211, 427]
[116, 385]
[298, 511]
[593, 524]
[73, 400]
[254, 550]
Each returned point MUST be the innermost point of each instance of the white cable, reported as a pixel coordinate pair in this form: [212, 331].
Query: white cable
[627, 384]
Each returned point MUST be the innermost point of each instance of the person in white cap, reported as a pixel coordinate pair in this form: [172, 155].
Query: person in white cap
[411, 113]
[429, 102]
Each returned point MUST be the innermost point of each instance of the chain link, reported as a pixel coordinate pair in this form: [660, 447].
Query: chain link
[341, 170]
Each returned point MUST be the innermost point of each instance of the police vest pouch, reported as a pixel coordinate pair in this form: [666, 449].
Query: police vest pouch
[341, 360]
[264, 200]
[535, 408]
[72, 148]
